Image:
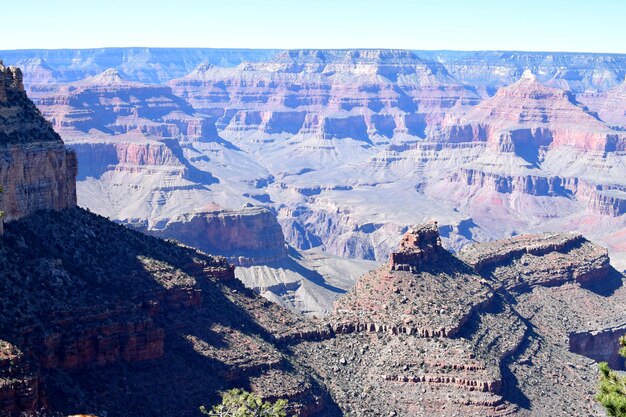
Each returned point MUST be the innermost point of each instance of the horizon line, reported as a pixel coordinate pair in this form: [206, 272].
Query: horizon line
[312, 49]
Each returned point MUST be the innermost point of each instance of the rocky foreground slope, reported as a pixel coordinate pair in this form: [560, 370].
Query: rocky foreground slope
[497, 331]
[104, 319]
[423, 335]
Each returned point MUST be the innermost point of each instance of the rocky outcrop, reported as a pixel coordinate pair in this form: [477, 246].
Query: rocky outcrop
[369, 343]
[402, 297]
[600, 345]
[36, 170]
[396, 332]
[246, 237]
[106, 298]
[20, 384]
[548, 259]
[418, 246]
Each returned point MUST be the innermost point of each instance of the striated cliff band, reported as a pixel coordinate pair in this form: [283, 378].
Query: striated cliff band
[36, 170]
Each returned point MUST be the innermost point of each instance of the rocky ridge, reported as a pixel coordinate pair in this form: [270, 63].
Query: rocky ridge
[464, 355]
[75, 323]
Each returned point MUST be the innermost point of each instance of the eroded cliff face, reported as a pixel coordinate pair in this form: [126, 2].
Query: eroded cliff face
[246, 237]
[36, 170]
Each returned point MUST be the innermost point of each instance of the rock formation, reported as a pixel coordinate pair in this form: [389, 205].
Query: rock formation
[527, 115]
[446, 338]
[348, 148]
[547, 259]
[366, 95]
[417, 247]
[250, 236]
[36, 171]
[91, 307]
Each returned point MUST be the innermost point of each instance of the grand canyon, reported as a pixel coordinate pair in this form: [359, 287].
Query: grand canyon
[363, 232]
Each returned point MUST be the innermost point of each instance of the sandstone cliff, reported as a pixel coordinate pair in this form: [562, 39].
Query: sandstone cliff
[246, 237]
[36, 171]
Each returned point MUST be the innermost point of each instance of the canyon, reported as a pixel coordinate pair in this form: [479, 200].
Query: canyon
[346, 148]
[470, 316]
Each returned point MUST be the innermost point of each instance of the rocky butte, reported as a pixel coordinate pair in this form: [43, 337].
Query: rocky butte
[98, 318]
[492, 331]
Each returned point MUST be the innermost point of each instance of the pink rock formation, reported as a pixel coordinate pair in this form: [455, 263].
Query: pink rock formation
[113, 105]
[527, 115]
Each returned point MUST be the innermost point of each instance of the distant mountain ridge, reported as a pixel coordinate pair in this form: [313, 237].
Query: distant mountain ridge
[572, 70]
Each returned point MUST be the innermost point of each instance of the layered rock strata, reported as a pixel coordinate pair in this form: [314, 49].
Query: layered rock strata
[36, 171]
[548, 259]
[246, 237]
[367, 94]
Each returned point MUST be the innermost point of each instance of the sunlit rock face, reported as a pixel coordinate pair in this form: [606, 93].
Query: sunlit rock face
[36, 170]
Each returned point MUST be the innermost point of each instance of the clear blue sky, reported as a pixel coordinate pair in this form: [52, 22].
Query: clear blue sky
[535, 25]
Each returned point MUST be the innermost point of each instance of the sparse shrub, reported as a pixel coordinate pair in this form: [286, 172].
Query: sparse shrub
[239, 403]
[612, 392]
